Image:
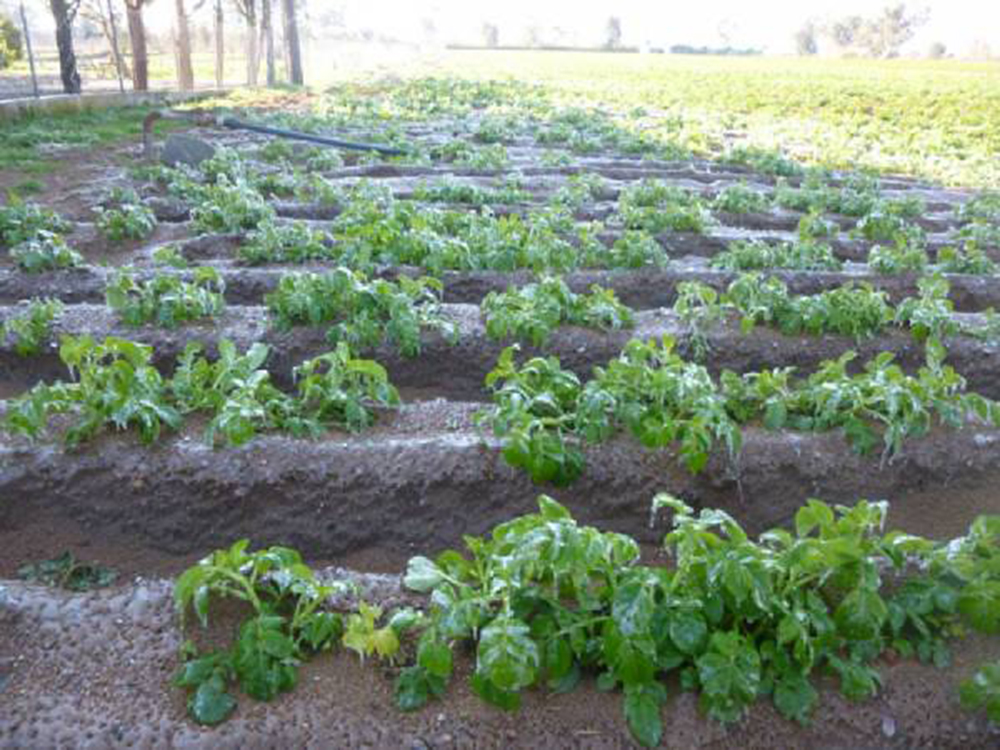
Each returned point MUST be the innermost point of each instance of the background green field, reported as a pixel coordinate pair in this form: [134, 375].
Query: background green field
[936, 119]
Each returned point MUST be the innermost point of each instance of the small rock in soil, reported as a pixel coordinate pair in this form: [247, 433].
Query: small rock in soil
[183, 149]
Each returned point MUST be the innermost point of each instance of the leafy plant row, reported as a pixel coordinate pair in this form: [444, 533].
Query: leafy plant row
[114, 385]
[859, 311]
[544, 414]
[544, 602]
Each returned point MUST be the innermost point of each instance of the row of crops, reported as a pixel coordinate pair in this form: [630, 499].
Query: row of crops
[577, 298]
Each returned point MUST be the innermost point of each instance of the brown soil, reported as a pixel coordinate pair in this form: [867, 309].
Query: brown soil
[340, 495]
[93, 670]
[641, 289]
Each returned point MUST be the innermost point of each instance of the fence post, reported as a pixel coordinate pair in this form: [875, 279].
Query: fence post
[31, 54]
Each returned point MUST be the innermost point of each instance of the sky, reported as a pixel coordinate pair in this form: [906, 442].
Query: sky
[766, 24]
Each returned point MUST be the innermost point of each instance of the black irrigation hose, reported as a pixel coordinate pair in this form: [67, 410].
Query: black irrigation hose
[234, 124]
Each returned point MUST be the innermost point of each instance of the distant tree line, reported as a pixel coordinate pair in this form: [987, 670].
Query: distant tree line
[257, 15]
[881, 35]
[11, 45]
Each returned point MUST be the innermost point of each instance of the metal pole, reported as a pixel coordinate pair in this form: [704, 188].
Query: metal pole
[114, 46]
[31, 54]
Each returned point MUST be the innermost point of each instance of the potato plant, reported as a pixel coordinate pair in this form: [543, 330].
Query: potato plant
[166, 300]
[31, 330]
[545, 602]
[534, 311]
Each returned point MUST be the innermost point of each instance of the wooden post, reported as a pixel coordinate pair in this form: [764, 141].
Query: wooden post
[31, 54]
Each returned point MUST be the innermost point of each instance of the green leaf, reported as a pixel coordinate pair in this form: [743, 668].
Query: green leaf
[435, 657]
[642, 712]
[689, 631]
[211, 704]
[507, 656]
[423, 575]
[861, 614]
[415, 687]
[794, 697]
[979, 603]
[489, 692]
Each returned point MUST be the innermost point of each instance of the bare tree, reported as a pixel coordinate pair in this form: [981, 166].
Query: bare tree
[491, 35]
[267, 40]
[293, 52]
[185, 72]
[880, 36]
[887, 33]
[805, 39]
[937, 51]
[101, 13]
[137, 38]
[613, 33]
[220, 44]
[64, 13]
[248, 9]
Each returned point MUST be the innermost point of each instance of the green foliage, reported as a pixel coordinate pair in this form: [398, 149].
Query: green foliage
[738, 198]
[31, 330]
[287, 624]
[850, 310]
[857, 197]
[981, 234]
[333, 390]
[294, 242]
[26, 222]
[634, 249]
[881, 398]
[903, 257]
[982, 690]
[364, 637]
[814, 226]
[45, 252]
[231, 207]
[533, 311]
[464, 154]
[753, 255]
[654, 206]
[365, 313]
[543, 413]
[969, 259]
[930, 314]
[11, 47]
[882, 224]
[66, 572]
[544, 601]
[170, 255]
[450, 190]
[698, 306]
[114, 386]
[763, 161]
[128, 221]
[234, 390]
[166, 300]
[984, 207]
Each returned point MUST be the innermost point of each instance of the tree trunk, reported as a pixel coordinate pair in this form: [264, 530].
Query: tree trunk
[63, 11]
[185, 73]
[137, 36]
[253, 56]
[293, 53]
[112, 35]
[220, 45]
[267, 32]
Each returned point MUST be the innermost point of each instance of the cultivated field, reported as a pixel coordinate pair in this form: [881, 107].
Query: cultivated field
[618, 319]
